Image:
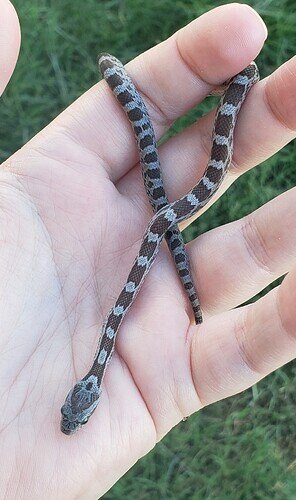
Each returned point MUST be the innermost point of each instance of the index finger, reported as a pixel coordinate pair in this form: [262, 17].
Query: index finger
[172, 77]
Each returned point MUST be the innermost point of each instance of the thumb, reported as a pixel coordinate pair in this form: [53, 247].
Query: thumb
[10, 38]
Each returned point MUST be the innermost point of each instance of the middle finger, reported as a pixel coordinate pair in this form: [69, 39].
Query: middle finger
[232, 263]
[266, 123]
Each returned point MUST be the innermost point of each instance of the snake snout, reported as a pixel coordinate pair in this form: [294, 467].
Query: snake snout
[65, 429]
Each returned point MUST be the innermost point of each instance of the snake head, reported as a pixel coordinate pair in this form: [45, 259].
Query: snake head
[80, 404]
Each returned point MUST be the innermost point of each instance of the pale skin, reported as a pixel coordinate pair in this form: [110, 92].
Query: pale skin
[73, 210]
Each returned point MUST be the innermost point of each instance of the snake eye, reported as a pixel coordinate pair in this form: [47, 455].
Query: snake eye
[84, 421]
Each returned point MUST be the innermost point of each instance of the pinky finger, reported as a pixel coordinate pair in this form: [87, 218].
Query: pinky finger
[234, 350]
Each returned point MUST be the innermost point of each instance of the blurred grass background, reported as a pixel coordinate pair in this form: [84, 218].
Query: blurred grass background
[241, 448]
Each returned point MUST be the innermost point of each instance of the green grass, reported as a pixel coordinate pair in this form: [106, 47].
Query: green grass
[242, 448]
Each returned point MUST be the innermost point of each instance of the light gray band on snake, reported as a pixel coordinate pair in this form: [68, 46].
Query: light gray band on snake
[83, 399]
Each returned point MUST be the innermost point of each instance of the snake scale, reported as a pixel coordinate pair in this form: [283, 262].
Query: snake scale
[83, 399]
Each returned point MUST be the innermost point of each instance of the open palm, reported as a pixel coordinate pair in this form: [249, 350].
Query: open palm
[73, 211]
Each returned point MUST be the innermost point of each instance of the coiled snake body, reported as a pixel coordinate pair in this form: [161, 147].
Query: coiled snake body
[83, 399]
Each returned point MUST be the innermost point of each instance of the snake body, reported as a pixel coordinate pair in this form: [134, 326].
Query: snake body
[132, 103]
[83, 399]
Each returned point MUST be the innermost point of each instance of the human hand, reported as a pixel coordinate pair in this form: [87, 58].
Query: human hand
[73, 213]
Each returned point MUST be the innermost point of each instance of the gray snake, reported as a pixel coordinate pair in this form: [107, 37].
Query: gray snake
[83, 399]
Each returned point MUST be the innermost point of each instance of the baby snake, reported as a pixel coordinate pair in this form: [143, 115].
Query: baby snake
[83, 399]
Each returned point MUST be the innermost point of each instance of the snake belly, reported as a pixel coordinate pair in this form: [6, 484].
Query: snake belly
[83, 398]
